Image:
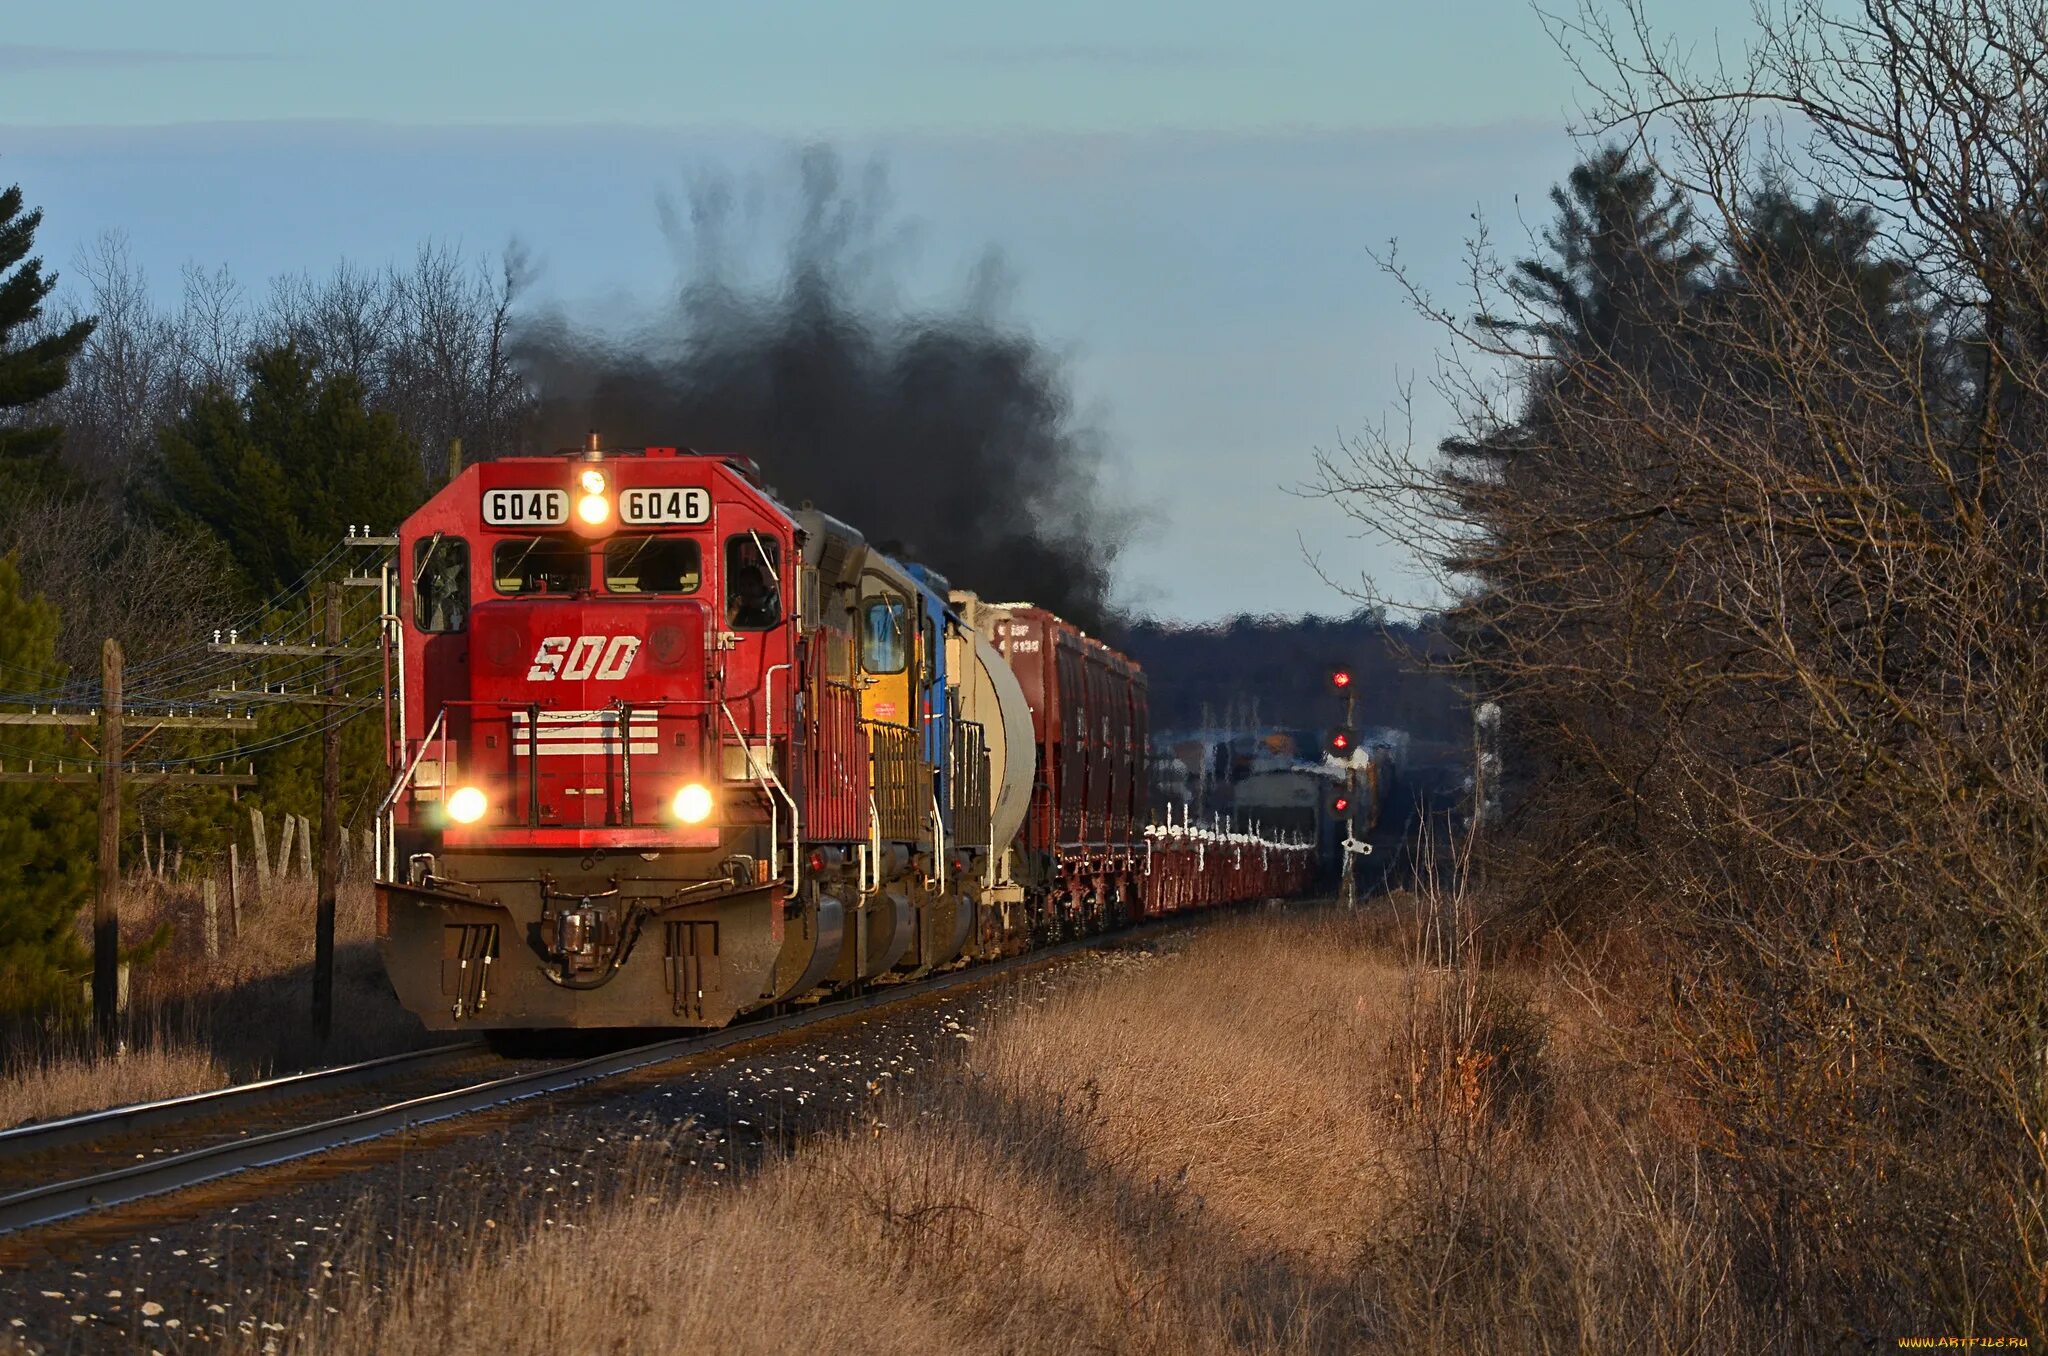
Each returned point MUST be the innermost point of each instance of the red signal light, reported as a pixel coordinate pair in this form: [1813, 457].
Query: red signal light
[1341, 741]
[1340, 678]
[1340, 804]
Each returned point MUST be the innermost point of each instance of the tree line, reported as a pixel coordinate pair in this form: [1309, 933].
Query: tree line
[1748, 517]
[164, 470]
[1274, 673]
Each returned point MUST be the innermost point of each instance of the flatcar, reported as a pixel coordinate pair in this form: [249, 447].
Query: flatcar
[666, 751]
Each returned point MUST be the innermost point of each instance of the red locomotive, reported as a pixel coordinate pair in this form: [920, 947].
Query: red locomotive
[666, 751]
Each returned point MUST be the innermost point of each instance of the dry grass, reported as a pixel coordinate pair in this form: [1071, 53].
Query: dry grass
[197, 1022]
[1296, 1134]
[60, 1083]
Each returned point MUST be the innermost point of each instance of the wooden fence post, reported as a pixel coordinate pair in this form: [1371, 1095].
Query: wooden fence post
[234, 888]
[284, 846]
[209, 892]
[262, 844]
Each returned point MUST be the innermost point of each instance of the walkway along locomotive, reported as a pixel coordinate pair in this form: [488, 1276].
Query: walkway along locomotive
[666, 751]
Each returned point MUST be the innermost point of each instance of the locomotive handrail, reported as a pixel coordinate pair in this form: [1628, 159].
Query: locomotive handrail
[767, 690]
[388, 832]
[625, 760]
[764, 775]
[871, 851]
[639, 703]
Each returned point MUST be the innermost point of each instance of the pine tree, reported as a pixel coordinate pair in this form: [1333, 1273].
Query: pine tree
[1818, 262]
[280, 473]
[46, 828]
[35, 360]
[1620, 261]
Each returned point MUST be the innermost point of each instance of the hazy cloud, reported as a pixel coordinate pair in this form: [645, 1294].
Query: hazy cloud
[22, 57]
[1159, 55]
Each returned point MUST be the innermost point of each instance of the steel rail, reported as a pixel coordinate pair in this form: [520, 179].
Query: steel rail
[27, 1141]
[62, 1200]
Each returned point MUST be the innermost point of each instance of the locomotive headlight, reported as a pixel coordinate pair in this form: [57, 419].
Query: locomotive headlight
[592, 482]
[593, 509]
[693, 803]
[467, 804]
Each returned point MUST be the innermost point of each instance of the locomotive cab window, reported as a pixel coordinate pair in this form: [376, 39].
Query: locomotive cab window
[884, 635]
[753, 582]
[440, 583]
[540, 565]
[665, 565]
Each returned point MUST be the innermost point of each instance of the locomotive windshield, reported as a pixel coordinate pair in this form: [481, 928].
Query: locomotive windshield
[540, 565]
[653, 565]
[884, 636]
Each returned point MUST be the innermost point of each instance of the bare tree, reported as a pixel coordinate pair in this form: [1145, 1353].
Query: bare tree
[344, 323]
[451, 376]
[126, 378]
[154, 591]
[213, 329]
[1767, 592]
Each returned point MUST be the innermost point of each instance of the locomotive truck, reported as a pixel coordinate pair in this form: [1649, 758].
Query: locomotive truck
[666, 751]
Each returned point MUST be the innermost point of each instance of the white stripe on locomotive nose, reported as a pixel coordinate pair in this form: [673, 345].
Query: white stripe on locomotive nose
[548, 750]
[581, 718]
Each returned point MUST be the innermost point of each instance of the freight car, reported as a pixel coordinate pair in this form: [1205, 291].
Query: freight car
[665, 751]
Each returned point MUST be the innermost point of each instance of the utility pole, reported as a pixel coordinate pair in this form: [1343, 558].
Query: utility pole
[106, 902]
[330, 832]
[334, 698]
[110, 772]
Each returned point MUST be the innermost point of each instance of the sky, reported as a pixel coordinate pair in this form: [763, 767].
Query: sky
[1188, 196]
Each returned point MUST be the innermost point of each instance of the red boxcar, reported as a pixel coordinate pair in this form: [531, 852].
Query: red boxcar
[1084, 841]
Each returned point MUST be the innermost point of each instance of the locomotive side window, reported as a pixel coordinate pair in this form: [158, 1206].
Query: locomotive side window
[753, 582]
[653, 565]
[540, 565]
[440, 583]
[884, 636]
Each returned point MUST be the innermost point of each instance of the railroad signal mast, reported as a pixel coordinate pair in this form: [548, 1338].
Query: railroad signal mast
[1342, 745]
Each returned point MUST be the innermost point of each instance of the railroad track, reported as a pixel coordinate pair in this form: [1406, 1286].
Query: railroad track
[42, 1137]
[71, 1196]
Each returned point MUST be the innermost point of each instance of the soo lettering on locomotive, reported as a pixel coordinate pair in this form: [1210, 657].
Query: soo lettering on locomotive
[666, 751]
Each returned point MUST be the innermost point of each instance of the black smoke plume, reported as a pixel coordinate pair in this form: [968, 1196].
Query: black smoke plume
[949, 433]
